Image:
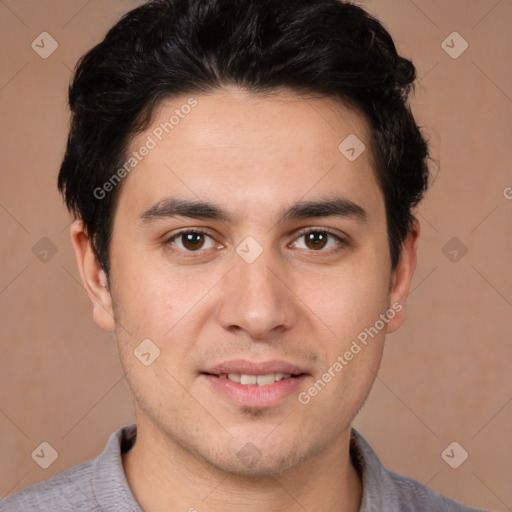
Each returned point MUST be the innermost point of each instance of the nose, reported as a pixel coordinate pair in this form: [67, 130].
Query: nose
[256, 299]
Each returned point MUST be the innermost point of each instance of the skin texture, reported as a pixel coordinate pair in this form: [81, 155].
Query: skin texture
[253, 156]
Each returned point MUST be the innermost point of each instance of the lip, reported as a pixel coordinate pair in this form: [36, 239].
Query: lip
[253, 368]
[254, 395]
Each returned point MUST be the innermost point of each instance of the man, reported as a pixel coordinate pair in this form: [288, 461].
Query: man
[243, 175]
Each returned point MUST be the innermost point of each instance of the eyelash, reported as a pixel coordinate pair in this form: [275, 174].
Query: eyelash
[342, 242]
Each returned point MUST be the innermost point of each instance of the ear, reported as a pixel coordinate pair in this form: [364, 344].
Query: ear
[93, 277]
[402, 277]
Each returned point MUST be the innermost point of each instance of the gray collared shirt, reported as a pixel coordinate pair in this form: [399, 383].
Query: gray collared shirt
[100, 485]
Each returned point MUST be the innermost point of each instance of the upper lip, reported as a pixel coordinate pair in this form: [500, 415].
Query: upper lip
[245, 367]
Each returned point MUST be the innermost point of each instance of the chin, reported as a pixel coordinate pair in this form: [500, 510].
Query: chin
[266, 467]
[259, 459]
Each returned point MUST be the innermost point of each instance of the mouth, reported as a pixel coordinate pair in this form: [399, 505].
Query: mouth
[246, 379]
[255, 385]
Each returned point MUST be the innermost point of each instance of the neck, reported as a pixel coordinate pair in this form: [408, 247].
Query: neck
[163, 476]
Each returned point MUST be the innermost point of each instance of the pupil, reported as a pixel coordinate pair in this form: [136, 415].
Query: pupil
[193, 240]
[317, 240]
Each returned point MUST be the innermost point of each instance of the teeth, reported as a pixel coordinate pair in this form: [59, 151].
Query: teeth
[248, 379]
[265, 380]
[260, 380]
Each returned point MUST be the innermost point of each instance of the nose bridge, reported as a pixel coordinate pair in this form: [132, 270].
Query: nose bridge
[256, 278]
[254, 299]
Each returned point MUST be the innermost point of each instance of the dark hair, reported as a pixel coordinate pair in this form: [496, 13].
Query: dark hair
[169, 47]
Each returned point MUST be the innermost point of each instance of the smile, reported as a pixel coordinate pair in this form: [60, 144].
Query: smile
[260, 380]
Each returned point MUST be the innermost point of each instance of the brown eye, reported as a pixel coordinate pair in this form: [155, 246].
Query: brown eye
[316, 240]
[319, 240]
[191, 241]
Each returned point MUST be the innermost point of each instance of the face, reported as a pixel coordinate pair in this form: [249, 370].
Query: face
[252, 257]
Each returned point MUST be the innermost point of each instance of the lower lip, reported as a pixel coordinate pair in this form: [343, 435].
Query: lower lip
[254, 395]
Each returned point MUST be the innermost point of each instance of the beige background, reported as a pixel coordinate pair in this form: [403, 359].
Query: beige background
[445, 375]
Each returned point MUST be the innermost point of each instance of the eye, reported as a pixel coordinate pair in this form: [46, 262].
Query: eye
[319, 240]
[191, 241]
[316, 240]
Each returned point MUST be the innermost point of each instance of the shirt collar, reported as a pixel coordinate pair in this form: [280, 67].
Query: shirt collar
[110, 485]
[378, 488]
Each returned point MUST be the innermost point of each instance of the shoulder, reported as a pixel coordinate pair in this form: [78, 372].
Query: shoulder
[386, 491]
[422, 499]
[92, 486]
[69, 490]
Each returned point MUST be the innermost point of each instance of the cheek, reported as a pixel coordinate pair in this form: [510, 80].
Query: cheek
[350, 302]
[142, 300]
[349, 299]
[155, 300]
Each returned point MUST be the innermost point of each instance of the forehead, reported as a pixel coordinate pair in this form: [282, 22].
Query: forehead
[254, 149]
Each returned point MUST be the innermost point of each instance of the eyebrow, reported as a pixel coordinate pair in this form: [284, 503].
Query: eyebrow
[329, 207]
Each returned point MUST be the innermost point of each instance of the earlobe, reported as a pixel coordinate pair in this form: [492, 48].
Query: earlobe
[93, 277]
[402, 278]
